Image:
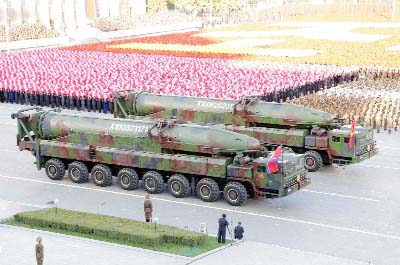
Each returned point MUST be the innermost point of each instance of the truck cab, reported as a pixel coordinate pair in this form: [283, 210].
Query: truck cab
[288, 176]
[363, 146]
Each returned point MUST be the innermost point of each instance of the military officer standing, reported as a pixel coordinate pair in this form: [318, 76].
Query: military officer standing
[148, 208]
[39, 251]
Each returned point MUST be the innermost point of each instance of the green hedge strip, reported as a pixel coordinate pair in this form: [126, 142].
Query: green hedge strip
[111, 227]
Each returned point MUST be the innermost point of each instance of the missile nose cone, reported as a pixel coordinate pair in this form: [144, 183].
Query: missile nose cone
[252, 144]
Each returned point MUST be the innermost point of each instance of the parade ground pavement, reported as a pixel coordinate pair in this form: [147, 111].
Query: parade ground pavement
[347, 215]
[17, 247]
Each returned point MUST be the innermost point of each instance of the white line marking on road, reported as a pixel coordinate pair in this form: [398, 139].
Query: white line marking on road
[9, 151]
[377, 166]
[341, 195]
[388, 147]
[8, 123]
[217, 208]
[9, 108]
[314, 253]
[24, 204]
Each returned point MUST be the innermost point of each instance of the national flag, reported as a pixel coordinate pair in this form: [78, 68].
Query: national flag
[277, 153]
[352, 128]
[272, 166]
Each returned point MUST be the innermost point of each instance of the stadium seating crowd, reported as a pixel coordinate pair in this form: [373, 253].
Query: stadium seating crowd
[27, 32]
[125, 22]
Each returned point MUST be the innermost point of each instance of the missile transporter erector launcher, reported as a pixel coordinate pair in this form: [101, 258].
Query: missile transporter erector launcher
[307, 131]
[187, 157]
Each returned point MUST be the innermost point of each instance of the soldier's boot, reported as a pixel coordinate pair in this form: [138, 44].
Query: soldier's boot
[395, 129]
[377, 130]
[390, 131]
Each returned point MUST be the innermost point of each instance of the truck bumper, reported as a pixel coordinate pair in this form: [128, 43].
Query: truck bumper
[299, 185]
[366, 155]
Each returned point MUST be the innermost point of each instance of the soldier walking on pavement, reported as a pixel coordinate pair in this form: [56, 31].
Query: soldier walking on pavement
[222, 225]
[39, 251]
[238, 232]
[148, 208]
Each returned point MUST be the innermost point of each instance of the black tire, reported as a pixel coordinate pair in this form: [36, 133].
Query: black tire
[101, 175]
[78, 172]
[312, 161]
[55, 169]
[208, 190]
[179, 186]
[128, 179]
[235, 193]
[153, 182]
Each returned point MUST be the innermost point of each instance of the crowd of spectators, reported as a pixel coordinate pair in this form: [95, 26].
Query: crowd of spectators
[130, 22]
[27, 32]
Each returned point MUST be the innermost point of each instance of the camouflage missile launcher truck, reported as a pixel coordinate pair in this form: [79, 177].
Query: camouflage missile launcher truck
[186, 157]
[307, 131]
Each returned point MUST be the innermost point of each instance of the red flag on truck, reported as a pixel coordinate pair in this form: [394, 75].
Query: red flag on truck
[272, 165]
[352, 128]
[277, 153]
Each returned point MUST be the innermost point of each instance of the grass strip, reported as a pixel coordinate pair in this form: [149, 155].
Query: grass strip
[123, 231]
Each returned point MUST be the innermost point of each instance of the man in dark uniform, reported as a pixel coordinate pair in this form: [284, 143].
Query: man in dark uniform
[222, 225]
[2, 97]
[238, 232]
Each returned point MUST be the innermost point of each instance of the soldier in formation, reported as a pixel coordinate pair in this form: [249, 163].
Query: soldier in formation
[369, 102]
[66, 99]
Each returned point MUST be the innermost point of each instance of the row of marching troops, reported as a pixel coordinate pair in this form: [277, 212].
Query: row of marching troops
[375, 73]
[369, 102]
[310, 87]
[92, 102]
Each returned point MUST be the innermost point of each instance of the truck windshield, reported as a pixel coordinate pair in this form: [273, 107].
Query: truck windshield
[292, 161]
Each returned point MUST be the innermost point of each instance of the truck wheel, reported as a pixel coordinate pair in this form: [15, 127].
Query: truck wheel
[179, 186]
[101, 175]
[78, 172]
[55, 169]
[128, 179]
[235, 193]
[153, 182]
[312, 161]
[207, 189]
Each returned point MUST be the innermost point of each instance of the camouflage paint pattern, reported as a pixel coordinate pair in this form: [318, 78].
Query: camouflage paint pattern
[209, 110]
[271, 123]
[162, 145]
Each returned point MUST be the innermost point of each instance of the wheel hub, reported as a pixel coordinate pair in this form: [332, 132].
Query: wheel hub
[99, 176]
[52, 170]
[125, 180]
[233, 195]
[205, 191]
[150, 183]
[75, 173]
[310, 162]
[176, 187]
